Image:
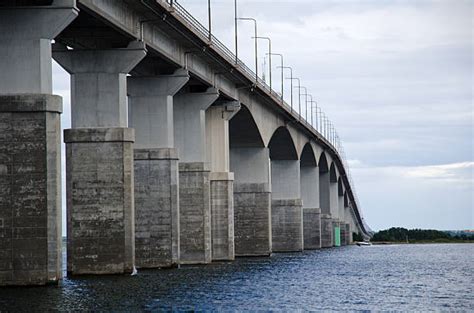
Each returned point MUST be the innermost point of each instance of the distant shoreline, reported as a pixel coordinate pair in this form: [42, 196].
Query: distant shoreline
[419, 242]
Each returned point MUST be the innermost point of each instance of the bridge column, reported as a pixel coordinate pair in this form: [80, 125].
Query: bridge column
[30, 157]
[347, 219]
[156, 168]
[252, 201]
[344, 234]
[324, 195]
[311, 208]
[222, 180]
[348, 234]
[99, 160]
[287, 214]
[194, 175]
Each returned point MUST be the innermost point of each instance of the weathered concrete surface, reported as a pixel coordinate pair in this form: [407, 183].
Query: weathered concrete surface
[287, 225]
[343, 234]
[327, 232]
[100, 203]
[348, 234]
[312, 228]
[252, 219]
[222, 216]
[195, 213]
[156, 208]
[30, 189]
[252, 201]
[222, 181]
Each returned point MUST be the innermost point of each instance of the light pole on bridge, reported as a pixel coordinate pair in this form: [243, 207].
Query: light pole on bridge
[299, 93]
[256, 44]
[281, 56]
[270, 58]
[306, 97]
[315, 108]
[291, 84]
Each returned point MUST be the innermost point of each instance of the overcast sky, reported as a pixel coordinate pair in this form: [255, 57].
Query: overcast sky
[395, 77]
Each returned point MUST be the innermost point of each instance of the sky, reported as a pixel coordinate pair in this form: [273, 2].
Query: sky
[395, 78]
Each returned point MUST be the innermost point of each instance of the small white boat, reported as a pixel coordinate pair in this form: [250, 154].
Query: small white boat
[363, 243]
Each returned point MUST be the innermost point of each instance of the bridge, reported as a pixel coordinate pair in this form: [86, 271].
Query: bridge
[178, 152]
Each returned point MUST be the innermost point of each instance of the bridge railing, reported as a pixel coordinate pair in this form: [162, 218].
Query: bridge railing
[225, 52]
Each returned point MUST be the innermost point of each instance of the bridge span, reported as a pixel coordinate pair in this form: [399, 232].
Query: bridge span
[178, 153]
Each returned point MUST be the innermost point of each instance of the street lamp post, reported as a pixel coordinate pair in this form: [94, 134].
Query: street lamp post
[256, 44]
[209, 16]
[315, 108]
[235, 33]
[269, 59]
[291, 84]
[281, 56]
[310, 110]
[320, 128]
[306, 98]
[299, 94]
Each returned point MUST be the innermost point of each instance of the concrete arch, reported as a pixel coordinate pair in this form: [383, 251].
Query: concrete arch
[308, 156]
[317, 150]
[264, 117]
[282, 146]
[332, 173]
[244, 131]
[323, 163]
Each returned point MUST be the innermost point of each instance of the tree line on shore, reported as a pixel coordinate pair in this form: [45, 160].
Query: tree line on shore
[399, 234]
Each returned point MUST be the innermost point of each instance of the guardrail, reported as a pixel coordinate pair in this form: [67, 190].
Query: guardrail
[332, 138]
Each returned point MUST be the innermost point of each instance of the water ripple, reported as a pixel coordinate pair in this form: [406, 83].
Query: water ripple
[399, 278]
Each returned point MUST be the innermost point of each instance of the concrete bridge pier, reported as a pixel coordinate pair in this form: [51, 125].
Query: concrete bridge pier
[324, 196]
[348, 234]
[194, 175]
[252, 200]
[30, 157]
[155, 168]
[221, 179]
[99, 160]
[309, 174]
[287, 214]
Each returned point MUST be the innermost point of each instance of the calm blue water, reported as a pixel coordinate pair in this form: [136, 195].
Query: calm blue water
[398, 277]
